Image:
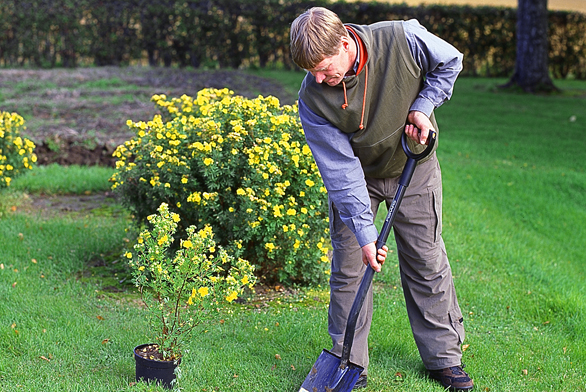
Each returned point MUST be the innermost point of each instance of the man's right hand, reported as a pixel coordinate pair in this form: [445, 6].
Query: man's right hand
[368, 256]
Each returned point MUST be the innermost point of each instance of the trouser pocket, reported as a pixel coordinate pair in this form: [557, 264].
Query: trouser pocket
[457, 322]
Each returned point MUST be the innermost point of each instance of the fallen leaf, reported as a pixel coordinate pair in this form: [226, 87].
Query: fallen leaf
[465, 347]
[14, 285]
[105, 341]
[34, 261]
[20, 236]
[45, 358]
[273, 367]
[1, 266]
[292, 367]
[13, 208]
[277, 356]
[525, 372]
[546, 322]
[99, 317]
[565, 348]
[235, 376]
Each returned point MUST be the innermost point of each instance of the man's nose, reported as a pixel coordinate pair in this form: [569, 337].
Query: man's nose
[319, 77]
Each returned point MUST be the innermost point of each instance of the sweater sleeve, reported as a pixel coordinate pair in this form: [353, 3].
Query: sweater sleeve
[440, 62]
[341, 172]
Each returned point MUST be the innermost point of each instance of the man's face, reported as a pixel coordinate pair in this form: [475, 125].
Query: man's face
[331, 70]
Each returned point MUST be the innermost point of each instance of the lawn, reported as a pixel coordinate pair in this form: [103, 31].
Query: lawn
[513, 222]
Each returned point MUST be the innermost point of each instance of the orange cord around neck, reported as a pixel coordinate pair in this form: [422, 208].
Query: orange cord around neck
[345, 105]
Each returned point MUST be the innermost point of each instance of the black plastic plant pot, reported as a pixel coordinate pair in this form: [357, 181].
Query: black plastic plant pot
[148, 370]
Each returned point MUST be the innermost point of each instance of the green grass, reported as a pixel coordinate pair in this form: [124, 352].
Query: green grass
[56, 179]
[291, 80]
[513, 223]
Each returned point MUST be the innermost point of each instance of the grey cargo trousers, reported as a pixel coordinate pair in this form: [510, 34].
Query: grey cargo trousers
[432, 306]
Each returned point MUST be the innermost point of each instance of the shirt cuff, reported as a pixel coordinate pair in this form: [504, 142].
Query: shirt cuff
[423, 105]
[367, 235]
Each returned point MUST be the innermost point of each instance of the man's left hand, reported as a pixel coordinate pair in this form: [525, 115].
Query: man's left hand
[418, 121]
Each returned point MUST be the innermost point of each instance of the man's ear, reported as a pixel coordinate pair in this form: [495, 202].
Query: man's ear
[345, 43]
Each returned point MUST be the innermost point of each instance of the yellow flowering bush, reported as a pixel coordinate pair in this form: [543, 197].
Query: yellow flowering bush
[16, 152]
[240, 165]
[182, 288]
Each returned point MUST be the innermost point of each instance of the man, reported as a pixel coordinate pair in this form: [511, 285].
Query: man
[365, 86]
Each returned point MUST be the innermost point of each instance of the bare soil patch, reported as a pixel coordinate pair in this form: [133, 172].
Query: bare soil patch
[78, 116]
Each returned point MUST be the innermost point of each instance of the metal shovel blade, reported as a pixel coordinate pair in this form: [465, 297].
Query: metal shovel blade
[327, 376]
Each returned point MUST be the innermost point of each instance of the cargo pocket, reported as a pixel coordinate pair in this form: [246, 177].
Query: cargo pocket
[457, 322]
[437, 211]
[337, 227]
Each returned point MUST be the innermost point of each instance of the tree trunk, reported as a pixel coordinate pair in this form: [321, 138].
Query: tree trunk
[531, 70]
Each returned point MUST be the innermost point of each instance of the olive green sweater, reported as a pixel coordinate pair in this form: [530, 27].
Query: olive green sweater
[378, 98]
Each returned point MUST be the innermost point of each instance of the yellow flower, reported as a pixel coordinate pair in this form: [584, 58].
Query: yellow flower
[277, 211]
[203, 291]
[245, 280]
[163, 239]
[194, 198]
[187, 244]
[141, 268]
[208, 161]
[308, 182]
[232, 296]
[128, 255]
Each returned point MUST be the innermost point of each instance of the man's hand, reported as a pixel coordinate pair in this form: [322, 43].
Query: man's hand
[418, 120]
[368, 256]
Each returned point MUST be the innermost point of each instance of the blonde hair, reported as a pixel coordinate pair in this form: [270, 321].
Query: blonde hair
[315, 35]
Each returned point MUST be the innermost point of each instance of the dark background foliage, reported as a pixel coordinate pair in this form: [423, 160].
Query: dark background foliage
[245, 33]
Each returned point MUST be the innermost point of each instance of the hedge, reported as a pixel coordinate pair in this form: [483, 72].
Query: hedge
[244, 33]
